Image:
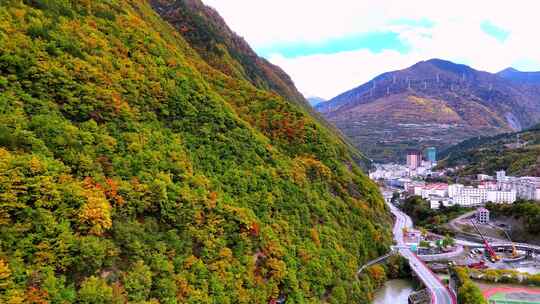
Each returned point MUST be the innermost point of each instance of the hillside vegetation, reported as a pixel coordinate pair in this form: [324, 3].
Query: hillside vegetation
[133, 170]
[524, 216]
[517, 153]
[209, 35]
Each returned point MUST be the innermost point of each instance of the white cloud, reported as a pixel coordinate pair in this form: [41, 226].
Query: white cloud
[264, 23]
[456, 35]
[327, 75]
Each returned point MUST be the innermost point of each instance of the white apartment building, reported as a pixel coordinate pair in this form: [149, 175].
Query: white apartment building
[389, 171]
[467, 200]
[526, 187]
[482, 215]
[500, 197]
[470, 196]
[467, 196]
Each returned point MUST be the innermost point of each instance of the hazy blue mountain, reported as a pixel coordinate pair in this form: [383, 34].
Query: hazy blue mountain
[315, 101]
[520, 77]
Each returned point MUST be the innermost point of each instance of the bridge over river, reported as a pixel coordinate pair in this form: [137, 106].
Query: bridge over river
[439, 293]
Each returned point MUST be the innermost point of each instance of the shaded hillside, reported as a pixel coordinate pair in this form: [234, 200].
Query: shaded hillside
[133, 170]
[432, 103]
[520, 77]
[517, 153]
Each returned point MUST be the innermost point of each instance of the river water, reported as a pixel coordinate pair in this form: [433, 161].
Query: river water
[394, 292]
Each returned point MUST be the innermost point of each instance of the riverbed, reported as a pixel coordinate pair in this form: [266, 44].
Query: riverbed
[395, 292]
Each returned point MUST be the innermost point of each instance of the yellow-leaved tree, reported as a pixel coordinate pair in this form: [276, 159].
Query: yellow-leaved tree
[5, 273]
[96, 212]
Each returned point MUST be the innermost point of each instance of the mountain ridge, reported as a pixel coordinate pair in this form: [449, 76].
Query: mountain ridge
[520, 77]
[478, 102]
[208, 33]
[518, 153]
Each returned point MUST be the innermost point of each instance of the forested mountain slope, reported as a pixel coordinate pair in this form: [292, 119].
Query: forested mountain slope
[131, 169]
[210, 36]
[518, 153]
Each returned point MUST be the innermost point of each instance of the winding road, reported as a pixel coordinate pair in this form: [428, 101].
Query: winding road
[439, 293]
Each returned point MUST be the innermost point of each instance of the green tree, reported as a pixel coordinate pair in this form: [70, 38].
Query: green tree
[468, 292]
[95, 291]
[138, 282]
[448, 241]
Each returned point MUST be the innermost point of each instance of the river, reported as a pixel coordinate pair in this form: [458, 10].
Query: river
[394, 292]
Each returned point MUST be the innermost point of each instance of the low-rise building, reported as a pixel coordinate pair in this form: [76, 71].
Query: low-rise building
[436, 202]
[436, 189]
[489, 185]
[410, 186]
[501, 176]
[482, 215]
[484, 177]
[387, 195]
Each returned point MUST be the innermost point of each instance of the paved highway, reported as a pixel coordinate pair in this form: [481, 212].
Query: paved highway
[439, 293]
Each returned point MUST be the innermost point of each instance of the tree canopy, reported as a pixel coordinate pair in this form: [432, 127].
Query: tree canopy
[132, 170]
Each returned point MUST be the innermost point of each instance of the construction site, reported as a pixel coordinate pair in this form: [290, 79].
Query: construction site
[495, 253]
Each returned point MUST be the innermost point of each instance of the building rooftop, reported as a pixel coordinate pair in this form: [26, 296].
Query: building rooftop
[436, 186]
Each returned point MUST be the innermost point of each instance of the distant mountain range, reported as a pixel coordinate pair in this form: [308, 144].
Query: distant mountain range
[433, 103]
[520, 77]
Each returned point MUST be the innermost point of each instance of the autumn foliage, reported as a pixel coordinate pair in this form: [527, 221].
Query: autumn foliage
[134, 170]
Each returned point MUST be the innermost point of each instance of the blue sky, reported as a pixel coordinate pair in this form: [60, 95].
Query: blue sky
[330, 47]
[494, 31]
[373, 41]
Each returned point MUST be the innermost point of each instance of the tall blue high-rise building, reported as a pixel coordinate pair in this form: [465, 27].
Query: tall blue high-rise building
[431, 154]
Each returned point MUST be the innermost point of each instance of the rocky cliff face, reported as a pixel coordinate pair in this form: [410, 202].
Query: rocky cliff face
[433, 102]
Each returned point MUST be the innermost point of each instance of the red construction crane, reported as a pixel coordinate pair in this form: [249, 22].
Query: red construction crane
[494, 257]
